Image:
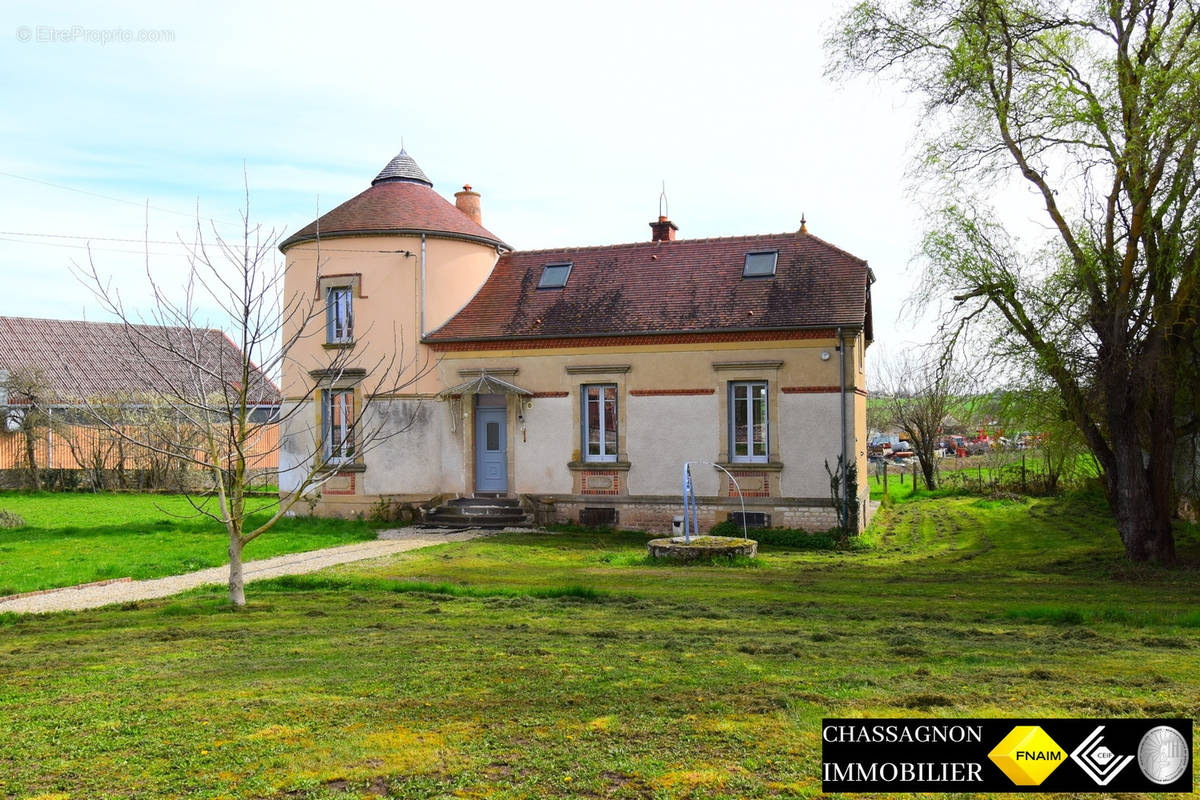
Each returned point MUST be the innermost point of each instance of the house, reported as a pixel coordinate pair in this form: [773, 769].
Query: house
[67, 372]
[578, 379]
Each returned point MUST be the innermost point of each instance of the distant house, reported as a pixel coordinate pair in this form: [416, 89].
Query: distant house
[70, 371]
[581, 379]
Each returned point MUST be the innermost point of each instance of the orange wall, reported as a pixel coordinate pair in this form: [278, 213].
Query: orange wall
[387, 308]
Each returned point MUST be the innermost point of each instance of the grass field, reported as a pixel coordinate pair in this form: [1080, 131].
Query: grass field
[77, 538]
[564, 665]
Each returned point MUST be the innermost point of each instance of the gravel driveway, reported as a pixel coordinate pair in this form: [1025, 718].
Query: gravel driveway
[389, 542]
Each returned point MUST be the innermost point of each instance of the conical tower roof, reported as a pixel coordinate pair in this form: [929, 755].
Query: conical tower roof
[400, 200]
[402, 168]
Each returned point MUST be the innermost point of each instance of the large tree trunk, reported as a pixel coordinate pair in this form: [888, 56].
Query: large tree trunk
[237, 586]
[1140, 493]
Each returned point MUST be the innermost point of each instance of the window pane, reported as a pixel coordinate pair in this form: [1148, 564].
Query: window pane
[741, 419]
[760, 264]
[760, 420]
[599, 422]
[554, 276]
[339, 325]
[493, 436]
[610, 420]
[339, 420]
[748, 429]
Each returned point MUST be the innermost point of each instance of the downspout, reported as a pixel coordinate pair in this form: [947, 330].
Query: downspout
[422, 317]
[842, 362]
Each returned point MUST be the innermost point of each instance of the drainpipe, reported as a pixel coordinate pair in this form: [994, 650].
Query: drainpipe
[842, 362]
[422, 318]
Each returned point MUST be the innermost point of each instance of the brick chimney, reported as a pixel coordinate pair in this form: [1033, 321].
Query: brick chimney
[663, 230]
[468, 203]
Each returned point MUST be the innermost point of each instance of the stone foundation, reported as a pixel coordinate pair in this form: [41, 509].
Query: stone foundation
[655, 514]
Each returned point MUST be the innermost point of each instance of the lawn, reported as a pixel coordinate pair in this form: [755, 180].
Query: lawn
[77, 538]
[564, 665]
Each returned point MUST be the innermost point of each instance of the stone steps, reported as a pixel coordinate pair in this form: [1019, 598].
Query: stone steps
[478, 512]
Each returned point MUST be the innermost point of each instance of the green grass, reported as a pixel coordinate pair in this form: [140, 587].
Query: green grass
[564, 665]
[78, 538]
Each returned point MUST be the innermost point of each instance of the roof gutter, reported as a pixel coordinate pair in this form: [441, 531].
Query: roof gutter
[673, 332]
[291, 241]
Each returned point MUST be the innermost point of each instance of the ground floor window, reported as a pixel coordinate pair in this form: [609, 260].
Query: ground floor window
[748, 421]
[338, 425]
[599, 422]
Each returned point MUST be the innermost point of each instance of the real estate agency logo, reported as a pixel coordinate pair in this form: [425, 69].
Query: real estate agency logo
[1100, 763]
[1163, 754]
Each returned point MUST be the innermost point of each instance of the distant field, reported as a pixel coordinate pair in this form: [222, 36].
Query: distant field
[78, 538]
[564, 666]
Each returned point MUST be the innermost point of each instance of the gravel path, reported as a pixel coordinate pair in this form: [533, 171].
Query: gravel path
[389, 542]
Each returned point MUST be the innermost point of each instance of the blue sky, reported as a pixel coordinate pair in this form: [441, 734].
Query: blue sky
[567, 118]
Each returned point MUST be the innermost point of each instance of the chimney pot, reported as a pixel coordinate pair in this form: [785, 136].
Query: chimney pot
[467, 202]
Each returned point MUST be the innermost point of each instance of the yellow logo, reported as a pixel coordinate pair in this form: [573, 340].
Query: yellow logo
[1027, 755]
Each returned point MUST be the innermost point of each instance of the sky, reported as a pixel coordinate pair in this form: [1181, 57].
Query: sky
[126, 120]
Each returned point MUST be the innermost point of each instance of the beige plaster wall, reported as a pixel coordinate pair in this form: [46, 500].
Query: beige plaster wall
[454, 272]
[297, 443]
[387, 307]
[664, 432]
[659, 432]
[419, 453]
[540, 459]
[808, 426]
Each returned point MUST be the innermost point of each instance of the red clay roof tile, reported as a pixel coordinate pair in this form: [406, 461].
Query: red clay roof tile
[666, 287]
[394, 206]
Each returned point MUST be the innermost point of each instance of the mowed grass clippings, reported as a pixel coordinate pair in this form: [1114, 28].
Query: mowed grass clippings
[70, 539]
[559, 665]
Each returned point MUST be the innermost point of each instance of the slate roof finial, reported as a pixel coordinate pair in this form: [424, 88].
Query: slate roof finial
[402, 168]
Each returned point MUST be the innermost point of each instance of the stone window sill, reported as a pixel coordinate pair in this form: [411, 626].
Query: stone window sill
[582, 466]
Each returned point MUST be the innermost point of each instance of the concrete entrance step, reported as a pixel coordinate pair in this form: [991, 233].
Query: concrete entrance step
[478, 512]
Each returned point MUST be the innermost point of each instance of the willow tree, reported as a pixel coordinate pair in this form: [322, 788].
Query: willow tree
[1095, 107]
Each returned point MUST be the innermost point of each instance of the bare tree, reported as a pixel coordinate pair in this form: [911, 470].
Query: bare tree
[28, 400]
[221, 392]
[917, 396]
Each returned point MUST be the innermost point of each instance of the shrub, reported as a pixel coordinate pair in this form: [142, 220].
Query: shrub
[8, 519]
[784, 537]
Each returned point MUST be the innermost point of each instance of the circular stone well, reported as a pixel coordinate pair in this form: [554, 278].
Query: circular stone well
[702, 548]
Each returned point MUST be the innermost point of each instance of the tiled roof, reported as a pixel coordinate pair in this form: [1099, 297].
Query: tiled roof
[81, 360]
[401, 200]
[687, 285]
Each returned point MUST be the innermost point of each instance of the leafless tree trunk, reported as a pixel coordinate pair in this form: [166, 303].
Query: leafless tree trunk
[190, 370]
[917, 396]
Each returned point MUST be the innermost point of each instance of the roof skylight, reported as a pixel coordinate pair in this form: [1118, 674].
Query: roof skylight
[760, 264]
[554, 276]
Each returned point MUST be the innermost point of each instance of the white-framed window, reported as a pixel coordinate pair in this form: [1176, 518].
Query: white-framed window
[337, 425]
[599, 421]
[339, 314]
[748, 421]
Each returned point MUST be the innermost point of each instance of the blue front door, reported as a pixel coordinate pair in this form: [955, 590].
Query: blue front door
[491, 449]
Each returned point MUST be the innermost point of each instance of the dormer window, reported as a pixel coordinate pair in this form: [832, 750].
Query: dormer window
[760, 264]
[554, 276]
